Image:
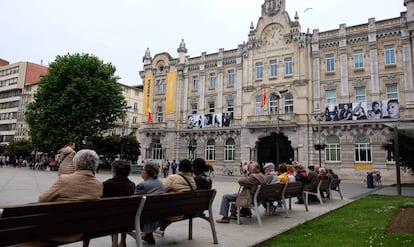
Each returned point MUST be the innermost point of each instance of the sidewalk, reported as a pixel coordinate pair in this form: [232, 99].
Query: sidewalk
[22, 185]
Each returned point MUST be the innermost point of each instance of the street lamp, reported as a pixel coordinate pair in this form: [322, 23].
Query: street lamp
[124, 110]
[279, 95]
[319, 146]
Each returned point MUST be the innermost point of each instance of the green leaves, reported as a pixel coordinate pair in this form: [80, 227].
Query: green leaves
[78, 97]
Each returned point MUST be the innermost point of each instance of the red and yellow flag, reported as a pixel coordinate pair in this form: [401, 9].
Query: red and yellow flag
[264, 98]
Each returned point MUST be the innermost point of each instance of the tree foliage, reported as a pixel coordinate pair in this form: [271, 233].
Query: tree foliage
[20, 148]
[78, 98]
[405, 149]
[110, 146]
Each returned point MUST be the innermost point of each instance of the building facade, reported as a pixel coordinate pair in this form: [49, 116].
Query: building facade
[321, 98]
[18, 82]
[133, 116]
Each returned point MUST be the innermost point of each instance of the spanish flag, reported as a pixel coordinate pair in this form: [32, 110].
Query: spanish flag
[264, 98]
[149, 119]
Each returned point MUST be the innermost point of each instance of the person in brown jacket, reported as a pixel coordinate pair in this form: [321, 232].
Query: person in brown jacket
[81, 185]
[243, 199]
[66, 156]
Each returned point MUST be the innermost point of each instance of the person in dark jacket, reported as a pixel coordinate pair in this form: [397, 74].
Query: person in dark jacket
[201, 178]
[119, 185]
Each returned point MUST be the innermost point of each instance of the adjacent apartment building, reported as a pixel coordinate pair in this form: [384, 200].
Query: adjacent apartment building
[19, 82]
[320, 98]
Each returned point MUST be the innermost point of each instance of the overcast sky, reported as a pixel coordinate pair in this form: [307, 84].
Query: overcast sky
[119, 31]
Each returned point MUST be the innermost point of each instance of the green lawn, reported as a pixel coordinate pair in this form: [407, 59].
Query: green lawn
[359, 224]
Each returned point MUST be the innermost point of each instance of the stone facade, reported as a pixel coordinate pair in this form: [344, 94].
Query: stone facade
[281, 92]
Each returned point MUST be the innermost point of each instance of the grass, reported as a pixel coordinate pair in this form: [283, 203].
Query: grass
[359, 224]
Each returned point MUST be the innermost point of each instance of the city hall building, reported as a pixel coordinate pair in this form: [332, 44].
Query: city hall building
[320, 98]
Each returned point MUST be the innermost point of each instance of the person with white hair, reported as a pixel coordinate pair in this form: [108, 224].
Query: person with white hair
[81, 185]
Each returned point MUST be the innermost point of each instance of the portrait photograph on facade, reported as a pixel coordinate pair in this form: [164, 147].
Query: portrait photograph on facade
[216, 120]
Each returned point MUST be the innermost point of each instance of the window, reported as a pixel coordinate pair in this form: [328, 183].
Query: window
[333, 149]
[230, 77]
[192, 150]
[362, 149]
[259, 70]
[160, 85]
[288, 103]
[288, 66]
[212, 80]
[135, 106]
[160, 115]
[211, 107]
[273, 68]
[157, 151]
[330, 63]
[360, 95]
[211, 150]
[194, 108]
[230, 105]
[358, 59]
[229, 150]
[134, 120]
[389, 51]
[259, 109]
[273, 103]
[195, 82]
[392, 91]
[331, 97]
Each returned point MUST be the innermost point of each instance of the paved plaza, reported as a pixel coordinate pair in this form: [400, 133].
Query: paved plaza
[22, 185]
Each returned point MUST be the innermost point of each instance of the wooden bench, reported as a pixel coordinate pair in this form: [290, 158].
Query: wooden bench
[324, 185]
[292, 190]
[270, 193]
[264, 194]
[191, 204]
[335, 187]
[34, 224]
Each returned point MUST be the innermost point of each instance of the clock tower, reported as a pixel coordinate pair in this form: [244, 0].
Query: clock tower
[272, 7]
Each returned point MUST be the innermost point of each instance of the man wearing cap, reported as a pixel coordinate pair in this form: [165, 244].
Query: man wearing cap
[249, 185]
[269, 170]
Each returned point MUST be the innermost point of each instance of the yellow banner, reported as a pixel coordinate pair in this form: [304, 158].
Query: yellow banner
[210, 163]
[363, 166]
[148, 93]
[170, 94]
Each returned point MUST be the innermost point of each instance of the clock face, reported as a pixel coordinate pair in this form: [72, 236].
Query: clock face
[272, 35]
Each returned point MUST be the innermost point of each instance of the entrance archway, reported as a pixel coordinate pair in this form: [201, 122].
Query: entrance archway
[275, 148]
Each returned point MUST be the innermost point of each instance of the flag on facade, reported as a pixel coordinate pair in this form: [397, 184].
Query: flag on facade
[264, 98]
[149, 119]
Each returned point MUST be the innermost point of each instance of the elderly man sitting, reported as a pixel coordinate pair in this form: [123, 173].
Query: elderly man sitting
[249, 184]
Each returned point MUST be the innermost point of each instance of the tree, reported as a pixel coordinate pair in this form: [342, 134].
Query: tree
[406, 149]
[110, 146]
[21, 148]
[78, 98]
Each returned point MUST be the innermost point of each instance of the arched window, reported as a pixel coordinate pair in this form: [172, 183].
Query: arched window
[288, 103]
[362, 149]
[333, 149]
[211, 150]
[229, 149]
[192, 149]
[273, 103]
[160, 115]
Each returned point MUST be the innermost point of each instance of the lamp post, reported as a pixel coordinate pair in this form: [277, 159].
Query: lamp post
[124, 110]
[319, 146]
[278, 97]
